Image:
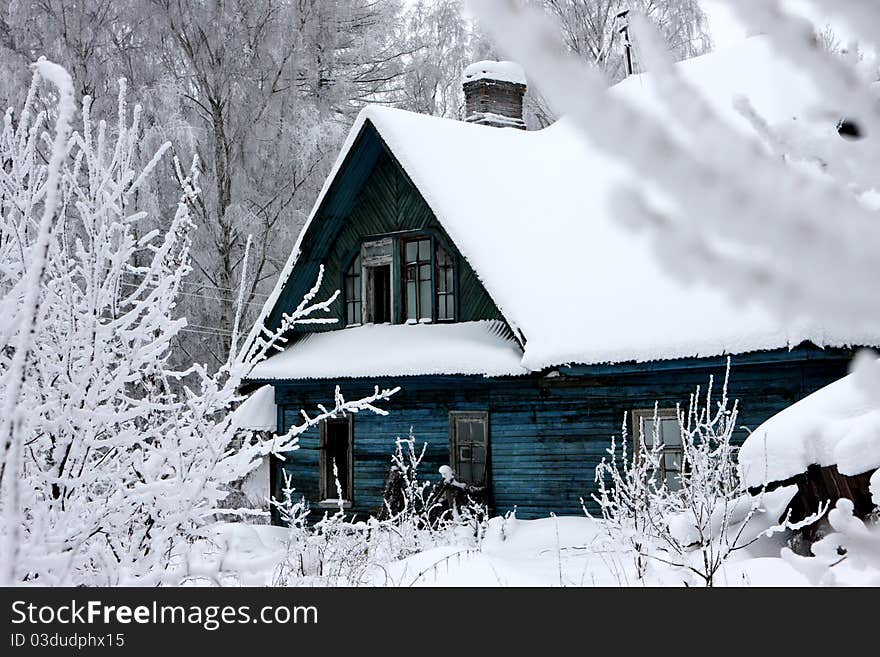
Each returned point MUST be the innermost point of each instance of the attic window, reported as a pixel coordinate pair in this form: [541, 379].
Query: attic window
[353, 293]
[376, 259]
[417, 280]
[445, 285]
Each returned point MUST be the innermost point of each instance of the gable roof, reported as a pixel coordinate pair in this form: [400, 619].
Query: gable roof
[531, 212]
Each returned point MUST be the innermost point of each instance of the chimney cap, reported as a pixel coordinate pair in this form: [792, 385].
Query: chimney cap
[488, 69]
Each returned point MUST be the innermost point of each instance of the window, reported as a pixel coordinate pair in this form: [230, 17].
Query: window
[379, 294]
[376, 259]
[418, 284]
[445, 285]
[337, 436]
[469, 444]
[353, 291]
[669, 434]
[421, 288]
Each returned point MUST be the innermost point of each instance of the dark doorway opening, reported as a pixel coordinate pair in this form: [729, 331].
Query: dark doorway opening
[379, 294]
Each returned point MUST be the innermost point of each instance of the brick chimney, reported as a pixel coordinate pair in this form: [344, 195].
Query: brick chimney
[493, 94]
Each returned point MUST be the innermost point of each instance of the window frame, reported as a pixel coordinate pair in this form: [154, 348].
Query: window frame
[453, 442]
[346, 275]
[453, 291]
[645, 417]
[404, 281]
[394, 256]
[326, 484]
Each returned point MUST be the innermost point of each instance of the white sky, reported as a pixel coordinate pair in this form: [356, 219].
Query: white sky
[726, 30]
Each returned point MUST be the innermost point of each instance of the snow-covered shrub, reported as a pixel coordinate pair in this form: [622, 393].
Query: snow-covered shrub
[629, 496]
[339, 549]
[852, 542]
[697, 523]
[111, 461]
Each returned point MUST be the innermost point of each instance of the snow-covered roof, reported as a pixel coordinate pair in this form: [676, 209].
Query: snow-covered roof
[258, 411]
[484, 347]
[531, 212]
[491, 70]
[836, 425]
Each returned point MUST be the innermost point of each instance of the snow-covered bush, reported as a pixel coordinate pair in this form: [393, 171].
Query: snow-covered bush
[629, 495]
[852, 541]
[339, 549]
[698, 520]
[111, 461]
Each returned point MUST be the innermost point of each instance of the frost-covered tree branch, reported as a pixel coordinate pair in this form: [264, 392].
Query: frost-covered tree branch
[112, 459]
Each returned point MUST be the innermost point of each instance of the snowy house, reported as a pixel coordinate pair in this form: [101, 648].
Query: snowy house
[482, 271]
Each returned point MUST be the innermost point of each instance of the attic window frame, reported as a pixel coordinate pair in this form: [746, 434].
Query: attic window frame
[390, 250]
[418, 264]
[355, 273]
[450, 292]
[372, 254]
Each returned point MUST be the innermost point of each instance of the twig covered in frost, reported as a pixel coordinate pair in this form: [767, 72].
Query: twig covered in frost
[14, 376]
[112, 461]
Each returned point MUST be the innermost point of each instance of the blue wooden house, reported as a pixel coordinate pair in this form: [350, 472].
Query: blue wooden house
[482, 269]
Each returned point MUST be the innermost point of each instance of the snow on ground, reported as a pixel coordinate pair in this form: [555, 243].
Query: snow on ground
[555, 551]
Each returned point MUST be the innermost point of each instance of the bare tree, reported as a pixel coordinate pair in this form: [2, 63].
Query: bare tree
[594, 29]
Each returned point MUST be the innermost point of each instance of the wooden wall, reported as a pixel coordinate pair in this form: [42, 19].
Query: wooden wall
[547, 434]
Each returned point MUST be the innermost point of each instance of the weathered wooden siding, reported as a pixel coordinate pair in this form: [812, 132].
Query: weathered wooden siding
[548, 434]
[371, 196]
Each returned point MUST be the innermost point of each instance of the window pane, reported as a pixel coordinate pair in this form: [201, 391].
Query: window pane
[412, 251]
[443, 258]
[670, 432]
[425, 272]
[411, 303]
[425, 299]
[424, 250]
